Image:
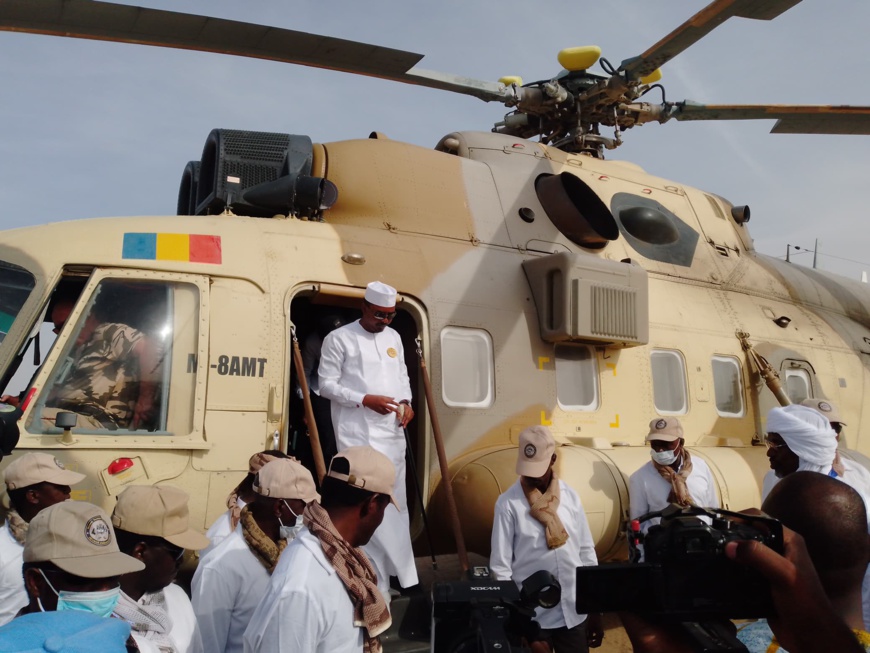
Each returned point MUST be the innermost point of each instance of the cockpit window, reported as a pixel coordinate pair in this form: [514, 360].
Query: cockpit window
[16, 283]
[126, 363]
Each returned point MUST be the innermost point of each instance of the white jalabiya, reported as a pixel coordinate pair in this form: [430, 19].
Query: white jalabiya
[354, 363]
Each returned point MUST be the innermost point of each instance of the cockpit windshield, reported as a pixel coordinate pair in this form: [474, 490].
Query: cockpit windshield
[16, 284]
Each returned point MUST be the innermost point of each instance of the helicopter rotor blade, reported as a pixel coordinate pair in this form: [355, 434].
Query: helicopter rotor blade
[790, 118]
[697, 27]
[107, 21]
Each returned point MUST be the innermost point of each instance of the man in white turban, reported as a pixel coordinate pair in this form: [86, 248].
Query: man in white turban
[798, 439]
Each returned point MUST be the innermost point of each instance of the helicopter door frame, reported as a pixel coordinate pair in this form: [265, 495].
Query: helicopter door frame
[328, 294]
[110, 439]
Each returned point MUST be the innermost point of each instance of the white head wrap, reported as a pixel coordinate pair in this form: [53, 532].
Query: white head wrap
[807, 433]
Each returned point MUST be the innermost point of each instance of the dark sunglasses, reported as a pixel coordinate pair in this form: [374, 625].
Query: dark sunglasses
[384, 316]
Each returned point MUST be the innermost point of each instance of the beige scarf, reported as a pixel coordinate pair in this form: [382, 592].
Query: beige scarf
[261, 545]
[679, 490]
[356, 572]
[544, 507]
[17, 526]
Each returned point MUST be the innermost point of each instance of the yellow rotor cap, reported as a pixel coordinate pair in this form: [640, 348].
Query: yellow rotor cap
[580, 58]
[511, 79]
[653, 77]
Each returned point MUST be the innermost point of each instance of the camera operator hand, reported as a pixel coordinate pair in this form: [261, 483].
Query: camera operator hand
[805, 620]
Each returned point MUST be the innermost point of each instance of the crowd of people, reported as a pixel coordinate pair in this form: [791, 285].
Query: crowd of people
[293, 566]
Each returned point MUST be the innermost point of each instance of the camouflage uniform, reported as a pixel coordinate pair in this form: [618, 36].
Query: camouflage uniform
[104, 381]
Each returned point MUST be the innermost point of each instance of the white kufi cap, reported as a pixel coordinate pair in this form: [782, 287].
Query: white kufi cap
[380, 294]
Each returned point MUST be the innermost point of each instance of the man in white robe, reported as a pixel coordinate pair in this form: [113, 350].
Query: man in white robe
[362, 372]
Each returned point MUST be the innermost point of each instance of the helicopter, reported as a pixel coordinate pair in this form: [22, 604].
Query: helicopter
[501, 244]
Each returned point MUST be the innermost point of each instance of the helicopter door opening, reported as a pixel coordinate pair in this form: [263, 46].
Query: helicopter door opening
[316, 311]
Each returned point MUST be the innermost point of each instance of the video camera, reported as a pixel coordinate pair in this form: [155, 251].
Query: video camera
[685, 575]
[484, 614]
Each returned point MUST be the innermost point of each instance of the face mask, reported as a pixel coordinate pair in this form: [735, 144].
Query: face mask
[101, 604]
[289, 533]
[666, 457]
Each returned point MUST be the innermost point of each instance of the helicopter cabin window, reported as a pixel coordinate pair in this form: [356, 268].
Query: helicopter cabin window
[669, 381]
[467, 368]
[576, 377]
[15, 286]
[728, 386]
[797, 384]
[134, 341]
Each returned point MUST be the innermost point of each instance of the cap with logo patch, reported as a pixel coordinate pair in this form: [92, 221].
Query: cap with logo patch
[368, 469]
[159, 510]
[36, 467]
[537, 447]
[77, 537]
[666, 429]
[826, 408]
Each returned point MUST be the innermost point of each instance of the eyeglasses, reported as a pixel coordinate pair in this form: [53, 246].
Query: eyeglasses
[384, 316]
[774, 445]
[176, 552]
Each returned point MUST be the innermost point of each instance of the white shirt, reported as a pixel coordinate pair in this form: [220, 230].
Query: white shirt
[184, 633]
[648, 491]
[226, 589]
[354, 363]
[220, 530]
[13, 596]
[306, 608]
[519, 549]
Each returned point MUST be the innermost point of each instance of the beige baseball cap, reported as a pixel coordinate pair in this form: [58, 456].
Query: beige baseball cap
[256, 462]
[537, 446]
[77, 537]
[158, 510]
[33, 468]
[826, 408]
[666, 429]
[285, 479]
[369, 470]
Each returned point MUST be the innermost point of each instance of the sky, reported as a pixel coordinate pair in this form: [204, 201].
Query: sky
[91, 129]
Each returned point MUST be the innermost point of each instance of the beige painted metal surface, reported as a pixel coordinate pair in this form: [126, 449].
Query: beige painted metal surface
[445, 230]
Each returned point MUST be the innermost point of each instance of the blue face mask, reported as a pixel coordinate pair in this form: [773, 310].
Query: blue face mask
[101, 604]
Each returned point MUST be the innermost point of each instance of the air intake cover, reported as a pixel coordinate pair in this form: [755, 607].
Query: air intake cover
[583, 298]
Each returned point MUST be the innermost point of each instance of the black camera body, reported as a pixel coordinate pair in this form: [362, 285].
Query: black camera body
[484, 614]
[685, 575]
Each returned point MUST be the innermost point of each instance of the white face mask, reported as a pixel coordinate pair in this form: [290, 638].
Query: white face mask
[666, 457]
[289, 533]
